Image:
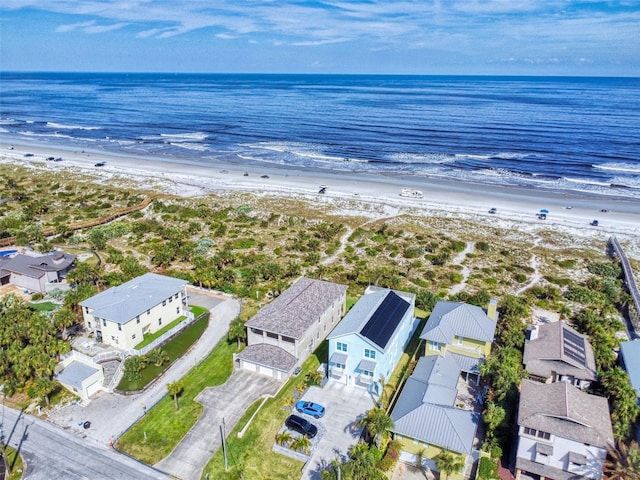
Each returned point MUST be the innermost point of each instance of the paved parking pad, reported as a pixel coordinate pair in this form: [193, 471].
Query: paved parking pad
[338, 429]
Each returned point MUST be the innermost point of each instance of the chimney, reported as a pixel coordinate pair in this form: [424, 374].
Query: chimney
[532, 332]
[492, 309]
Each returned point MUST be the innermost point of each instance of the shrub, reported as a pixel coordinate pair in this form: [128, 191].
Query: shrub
[487, 469]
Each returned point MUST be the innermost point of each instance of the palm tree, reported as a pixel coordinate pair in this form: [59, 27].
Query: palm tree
[301, 444]
[283, 438]
[175, 389]
[623, 462]
[377, 423]
[449, 463]
[237, 331]
[363, 464]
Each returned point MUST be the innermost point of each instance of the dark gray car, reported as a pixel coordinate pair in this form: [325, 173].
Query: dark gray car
[300, 425]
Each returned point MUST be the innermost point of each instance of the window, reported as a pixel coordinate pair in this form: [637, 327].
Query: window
[369, 353]
[170, 299]
[164, 303]
[159, 321]
[133, 337]
[177, 309]
[88, 324]
[460, 340]
[119, 327]
[175, 296]
[537, 433]
[137, 318]
[435, 346]
[341, 347]
[86, 309]
[148, 312]
[367, 373]
[104, 322]
[340, 365]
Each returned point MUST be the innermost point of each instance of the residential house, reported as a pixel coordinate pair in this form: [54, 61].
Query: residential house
[122, 315]
[367, 344]
[284, 332]
[555, 352]
[464, 331]
[429, 417]
[630, 360]
[563, 432]
[34, 271]
[81, 377]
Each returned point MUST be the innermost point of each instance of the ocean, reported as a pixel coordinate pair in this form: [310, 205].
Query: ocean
[572, 134]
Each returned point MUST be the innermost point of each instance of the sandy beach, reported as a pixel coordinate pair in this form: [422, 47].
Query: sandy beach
[357, 194]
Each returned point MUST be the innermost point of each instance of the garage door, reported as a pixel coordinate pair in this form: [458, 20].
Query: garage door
[93, 388]
[248, 366]
[265, 371]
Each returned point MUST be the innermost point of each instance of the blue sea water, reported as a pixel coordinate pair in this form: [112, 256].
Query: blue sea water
[579, 134]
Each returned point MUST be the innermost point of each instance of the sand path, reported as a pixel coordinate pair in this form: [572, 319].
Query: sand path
[461, 257]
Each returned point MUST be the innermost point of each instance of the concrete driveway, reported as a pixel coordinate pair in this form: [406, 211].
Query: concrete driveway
[345, 406]
[229, 402]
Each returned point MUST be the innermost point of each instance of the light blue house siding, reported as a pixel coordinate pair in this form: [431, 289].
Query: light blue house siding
[367, 344]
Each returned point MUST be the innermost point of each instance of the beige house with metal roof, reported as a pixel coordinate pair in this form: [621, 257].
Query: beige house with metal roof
[563, 432]
[284, 333]
[555, 352]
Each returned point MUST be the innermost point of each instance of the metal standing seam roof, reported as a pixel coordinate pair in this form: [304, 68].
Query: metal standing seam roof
[565, 411]
[376, 316]
[75, 373]
[559, 348]
[123, 303]
[631, 355]
[297, 308]
[454, 318]
[424, 408]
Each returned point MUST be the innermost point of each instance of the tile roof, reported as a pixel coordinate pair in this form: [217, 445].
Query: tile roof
[123, 303]
[559, 348]
[36, 266]
[454, 318]
[370, 305]
[565, 411]
[269, 356]
[425, 411]
[297, 308]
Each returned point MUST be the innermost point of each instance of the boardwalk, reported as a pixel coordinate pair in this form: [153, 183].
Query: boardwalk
[630, 281]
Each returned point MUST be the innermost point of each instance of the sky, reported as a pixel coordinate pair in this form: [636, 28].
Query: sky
[438, 37]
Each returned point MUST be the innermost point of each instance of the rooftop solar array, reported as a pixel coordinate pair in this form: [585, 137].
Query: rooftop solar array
[385, 320]
[574, 347]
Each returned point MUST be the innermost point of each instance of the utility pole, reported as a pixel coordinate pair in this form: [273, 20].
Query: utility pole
[224, 445]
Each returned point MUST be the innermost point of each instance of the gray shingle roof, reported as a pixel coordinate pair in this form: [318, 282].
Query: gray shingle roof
[75, 373]
[297, 308]
[269, 356]
[356, 319]
[564, 410]
[35, 267]
[424, 408]
[122, 303]
[453, 318]
[548, 353]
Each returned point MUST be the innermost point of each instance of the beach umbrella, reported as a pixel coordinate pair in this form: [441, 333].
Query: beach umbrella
[544, 210]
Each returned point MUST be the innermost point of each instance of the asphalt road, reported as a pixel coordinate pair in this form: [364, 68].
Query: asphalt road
[52, 453]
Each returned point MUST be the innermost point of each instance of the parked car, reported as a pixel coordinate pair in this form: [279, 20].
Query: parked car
[493, 210]
[310, 408]
[595, 223]
[302, 426]
[264, 176]
[100, 164]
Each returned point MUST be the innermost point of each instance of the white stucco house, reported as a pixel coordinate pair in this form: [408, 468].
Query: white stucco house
[284, 332]
[367, 344]
[122, 315]
[563, 432]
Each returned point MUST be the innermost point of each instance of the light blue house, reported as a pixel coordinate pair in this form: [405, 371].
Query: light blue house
[630, 360]
[367, 344]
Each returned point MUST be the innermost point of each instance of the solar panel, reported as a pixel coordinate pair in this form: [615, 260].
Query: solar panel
[575, 356]
[572, 337]
[574, 347]
[385, 319]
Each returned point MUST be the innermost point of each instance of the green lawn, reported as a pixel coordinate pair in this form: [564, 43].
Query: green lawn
[43, 306]
[164, 427]
[175, 348]
[150, 337]
[15, 462]
[251, 456]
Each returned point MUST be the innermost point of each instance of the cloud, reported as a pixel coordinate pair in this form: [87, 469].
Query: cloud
[75, 26]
